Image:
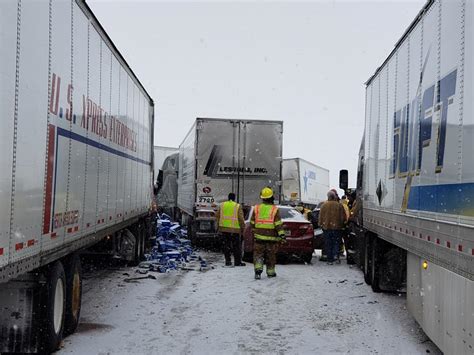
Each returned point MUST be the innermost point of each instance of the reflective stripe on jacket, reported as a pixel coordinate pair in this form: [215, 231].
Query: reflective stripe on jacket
[266, 223]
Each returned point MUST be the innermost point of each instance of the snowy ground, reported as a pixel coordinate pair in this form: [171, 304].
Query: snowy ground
[307, 309]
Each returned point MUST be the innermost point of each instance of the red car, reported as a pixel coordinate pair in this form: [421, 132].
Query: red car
[299, 235]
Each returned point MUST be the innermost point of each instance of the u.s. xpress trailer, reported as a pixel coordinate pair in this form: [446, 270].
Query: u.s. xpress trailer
[303, 182]
[416, 173]
[219, 156]
[76, 135]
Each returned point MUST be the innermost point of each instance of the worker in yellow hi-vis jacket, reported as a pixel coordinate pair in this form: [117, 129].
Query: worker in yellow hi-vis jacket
[268, 233]
[231, 226]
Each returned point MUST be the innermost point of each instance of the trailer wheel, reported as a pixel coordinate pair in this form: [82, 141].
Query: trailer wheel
[137, 247]
[53, 303]
[144, 234]
[375, 265]
[366, 263]
[73, 294]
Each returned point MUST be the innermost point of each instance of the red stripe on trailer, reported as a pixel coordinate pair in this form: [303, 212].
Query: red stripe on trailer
[98, 221]
[53, 235]
[448, 244]
[472, 251]
[88, 225]
[110, 218]
[437, 240]
[76, 228]
[1, 251]
[31, 242]
[18, 246]
[69, 230]
[429, 238]
[102, 220]
[460, 247]
[49, 180]
[421, 236]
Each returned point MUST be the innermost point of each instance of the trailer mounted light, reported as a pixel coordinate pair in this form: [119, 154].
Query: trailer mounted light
[425, 265]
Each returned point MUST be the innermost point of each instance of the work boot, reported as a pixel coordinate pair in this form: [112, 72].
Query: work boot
[272, 275]
[258, 274]
[240, 264]
[228, 263]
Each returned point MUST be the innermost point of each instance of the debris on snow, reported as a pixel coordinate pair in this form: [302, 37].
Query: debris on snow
[171, 250]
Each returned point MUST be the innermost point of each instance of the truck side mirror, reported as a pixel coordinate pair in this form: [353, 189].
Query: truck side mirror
[344, 180]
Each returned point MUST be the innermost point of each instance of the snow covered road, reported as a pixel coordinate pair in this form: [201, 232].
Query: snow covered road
[307, 309]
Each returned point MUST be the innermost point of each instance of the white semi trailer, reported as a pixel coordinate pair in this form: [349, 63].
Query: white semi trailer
[416, 174]
[219, 156]
[303, 182]
[76, 152]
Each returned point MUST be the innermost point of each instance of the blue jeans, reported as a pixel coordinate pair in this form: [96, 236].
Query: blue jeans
[331, 238]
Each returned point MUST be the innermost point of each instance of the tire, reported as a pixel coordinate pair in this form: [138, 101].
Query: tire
[136, 248]
[248, 257]
[367, 266]
[143, 244]
[375, 266]
[53, 302]
[307, 258]
[350, 257]
[73, 294]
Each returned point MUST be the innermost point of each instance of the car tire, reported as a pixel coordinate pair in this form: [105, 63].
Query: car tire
[248, 257]
[307, 258]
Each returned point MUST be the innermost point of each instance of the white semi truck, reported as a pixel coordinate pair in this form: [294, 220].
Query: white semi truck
[303, 182]
[219, 156]
[160, 155]
[76, 142]
[416, 174]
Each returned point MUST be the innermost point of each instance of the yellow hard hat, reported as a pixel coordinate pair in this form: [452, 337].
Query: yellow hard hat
[266, 193]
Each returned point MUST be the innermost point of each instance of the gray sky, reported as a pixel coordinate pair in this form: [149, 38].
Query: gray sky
[304, 63]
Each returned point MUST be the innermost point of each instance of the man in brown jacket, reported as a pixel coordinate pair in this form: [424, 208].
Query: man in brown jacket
[331, 220]
[230, 219]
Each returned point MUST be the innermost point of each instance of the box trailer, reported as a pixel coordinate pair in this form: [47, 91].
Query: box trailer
[219, 156]
[76, 140]
[303, 182]
[416, 174]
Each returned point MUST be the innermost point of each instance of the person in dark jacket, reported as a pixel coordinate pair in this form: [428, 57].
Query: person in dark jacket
[331, 220]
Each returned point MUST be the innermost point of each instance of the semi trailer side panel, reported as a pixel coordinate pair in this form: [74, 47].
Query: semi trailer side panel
[76, 134]
[418, 176]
